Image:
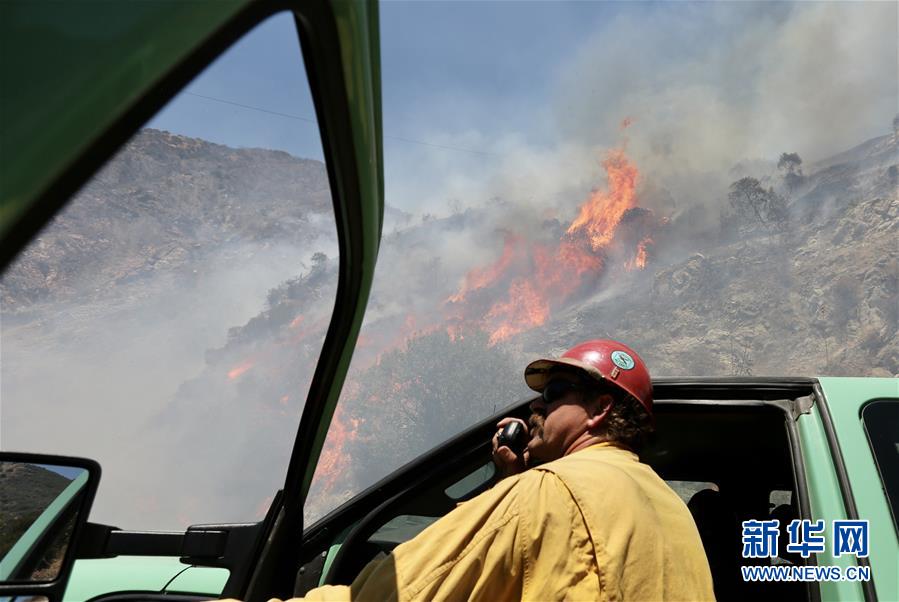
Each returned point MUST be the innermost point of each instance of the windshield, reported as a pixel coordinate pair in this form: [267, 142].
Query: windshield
[714, 184]
[168, 321]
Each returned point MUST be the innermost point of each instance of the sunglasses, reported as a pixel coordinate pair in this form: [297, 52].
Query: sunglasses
[557, 389]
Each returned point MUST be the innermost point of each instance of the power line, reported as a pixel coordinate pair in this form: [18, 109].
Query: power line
[455, 148]
[309, 120]
[252, 108]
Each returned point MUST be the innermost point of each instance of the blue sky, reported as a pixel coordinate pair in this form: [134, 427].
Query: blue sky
[69, 472]
[542, 86]
[501, 55]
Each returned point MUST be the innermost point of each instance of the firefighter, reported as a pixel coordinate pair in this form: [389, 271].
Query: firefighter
[578, 516]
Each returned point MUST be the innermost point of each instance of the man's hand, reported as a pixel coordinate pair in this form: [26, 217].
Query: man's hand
[504, 458]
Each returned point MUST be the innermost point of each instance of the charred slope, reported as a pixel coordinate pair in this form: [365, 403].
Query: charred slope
[827, 305]
[820, 296]
[163, 205]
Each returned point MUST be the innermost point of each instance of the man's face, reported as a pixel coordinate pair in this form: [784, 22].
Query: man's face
[556, 425]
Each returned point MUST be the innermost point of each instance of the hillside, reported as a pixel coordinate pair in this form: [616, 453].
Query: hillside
[25, 491]
[818, 296]
[828, 305]
[164, 205]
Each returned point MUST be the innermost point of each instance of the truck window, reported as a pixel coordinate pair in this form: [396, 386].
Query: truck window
[687, 489]
[730, 463]
[168, 321]
[881, 421]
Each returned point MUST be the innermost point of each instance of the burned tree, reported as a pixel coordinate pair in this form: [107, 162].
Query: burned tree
[790, 163]
[756, 205]
[791, 166]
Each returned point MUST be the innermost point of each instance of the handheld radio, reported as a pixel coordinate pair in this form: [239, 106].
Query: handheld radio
[514, 437]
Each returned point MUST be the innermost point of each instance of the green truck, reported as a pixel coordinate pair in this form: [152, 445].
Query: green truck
[737, 450]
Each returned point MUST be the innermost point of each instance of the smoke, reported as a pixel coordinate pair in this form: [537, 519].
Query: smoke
[707, 85]
[713, 84]
[101, 379]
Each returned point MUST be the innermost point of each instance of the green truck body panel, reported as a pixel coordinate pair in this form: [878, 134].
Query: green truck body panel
[845, 398]
[92, 578]
[200, 579]
[825, 498]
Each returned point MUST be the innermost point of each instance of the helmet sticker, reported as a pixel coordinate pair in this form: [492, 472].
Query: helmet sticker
[623, 360]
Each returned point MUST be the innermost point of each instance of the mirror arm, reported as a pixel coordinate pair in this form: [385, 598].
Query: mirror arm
[93, 541]
[230, 546]
[202, 544]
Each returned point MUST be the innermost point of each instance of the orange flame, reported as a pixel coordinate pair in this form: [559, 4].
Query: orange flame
[557, 269]
[302, 328]
[332, 464]
[481, 277]
[640, 259]
[405, 334]
[563, 267]
[558, 272]
[240, 369]
[599, 216]
[525, 309]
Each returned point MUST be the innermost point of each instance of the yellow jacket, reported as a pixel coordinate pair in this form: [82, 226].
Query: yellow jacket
[594, 525]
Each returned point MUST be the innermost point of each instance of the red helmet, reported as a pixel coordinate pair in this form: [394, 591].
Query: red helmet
[606, 361]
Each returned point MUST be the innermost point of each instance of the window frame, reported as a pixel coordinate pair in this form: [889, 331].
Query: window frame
[880, 442]
[341, 52]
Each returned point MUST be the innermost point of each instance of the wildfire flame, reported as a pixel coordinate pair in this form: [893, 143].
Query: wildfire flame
[640, 258]
[599, 216]
[238, 370]
[557, 269]
[302, 328]
[409, 331]
[526, 308]
[333, 460]
[481, 277]
[516, 292]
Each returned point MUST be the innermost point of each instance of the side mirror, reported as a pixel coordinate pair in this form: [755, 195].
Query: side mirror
[44, 505]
